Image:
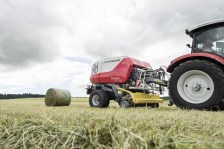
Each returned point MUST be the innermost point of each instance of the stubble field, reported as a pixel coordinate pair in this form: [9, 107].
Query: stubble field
[28, 123]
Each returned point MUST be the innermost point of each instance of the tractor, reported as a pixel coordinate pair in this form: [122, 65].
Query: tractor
[197, 79]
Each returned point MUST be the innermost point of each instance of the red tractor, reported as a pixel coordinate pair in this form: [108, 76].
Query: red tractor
[197, 79]
[196, 82]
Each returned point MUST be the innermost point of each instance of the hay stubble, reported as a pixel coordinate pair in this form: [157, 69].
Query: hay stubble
[38, 126]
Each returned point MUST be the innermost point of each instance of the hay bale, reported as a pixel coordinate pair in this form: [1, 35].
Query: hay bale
[57, 97]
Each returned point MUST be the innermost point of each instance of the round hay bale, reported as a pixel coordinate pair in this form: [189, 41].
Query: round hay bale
[57, 97]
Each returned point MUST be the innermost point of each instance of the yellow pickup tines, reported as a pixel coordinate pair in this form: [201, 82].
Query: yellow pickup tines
[139, 97]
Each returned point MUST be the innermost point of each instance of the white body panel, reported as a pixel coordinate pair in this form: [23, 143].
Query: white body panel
[106, 65]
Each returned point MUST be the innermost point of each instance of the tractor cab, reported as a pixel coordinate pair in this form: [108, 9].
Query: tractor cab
[208, 37]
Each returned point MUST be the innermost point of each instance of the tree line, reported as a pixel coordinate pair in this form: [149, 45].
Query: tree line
[24, 95]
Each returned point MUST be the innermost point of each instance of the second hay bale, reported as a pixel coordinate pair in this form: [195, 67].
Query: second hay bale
[57, 97]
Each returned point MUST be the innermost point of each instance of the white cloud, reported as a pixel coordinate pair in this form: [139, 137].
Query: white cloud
[48, 75]
[50, 43]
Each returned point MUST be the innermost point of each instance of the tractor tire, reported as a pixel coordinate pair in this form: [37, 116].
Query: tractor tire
[197, 84]
[124, 104]
[99, 99]
[221, 106]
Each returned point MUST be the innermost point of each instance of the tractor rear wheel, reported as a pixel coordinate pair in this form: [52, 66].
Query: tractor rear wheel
[99, 98]
[197, 84]
[221, 106]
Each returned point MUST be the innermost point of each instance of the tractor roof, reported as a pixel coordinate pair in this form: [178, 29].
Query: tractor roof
[204, 26]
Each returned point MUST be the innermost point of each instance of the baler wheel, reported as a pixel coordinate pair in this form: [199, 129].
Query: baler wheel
[124, 104]
[197, 84]
[99, 98]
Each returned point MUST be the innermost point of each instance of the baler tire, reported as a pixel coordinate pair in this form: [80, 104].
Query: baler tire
[99, 99]
[186, 75]
[124, 104]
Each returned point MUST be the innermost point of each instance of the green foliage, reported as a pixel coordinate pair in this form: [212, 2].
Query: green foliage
[28, 123]
[24, 95]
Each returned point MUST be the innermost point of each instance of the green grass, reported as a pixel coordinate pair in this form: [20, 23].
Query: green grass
[28, 123]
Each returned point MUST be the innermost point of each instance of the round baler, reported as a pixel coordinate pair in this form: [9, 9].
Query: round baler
[128, 81]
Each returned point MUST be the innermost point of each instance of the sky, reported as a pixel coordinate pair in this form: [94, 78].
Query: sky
[53, 43]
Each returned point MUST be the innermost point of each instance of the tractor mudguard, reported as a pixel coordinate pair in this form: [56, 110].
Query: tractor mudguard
[203, 55]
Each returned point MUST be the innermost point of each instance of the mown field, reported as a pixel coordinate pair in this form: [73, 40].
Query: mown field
[28, 123]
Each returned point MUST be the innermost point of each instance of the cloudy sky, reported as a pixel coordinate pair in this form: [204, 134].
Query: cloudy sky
[53, 43]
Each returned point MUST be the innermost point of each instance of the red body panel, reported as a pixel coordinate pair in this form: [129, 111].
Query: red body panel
[201, 55]
[95, 78]
[140, 63]
[120, 73]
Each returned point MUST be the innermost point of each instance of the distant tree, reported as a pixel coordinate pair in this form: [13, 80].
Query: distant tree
[24, 95]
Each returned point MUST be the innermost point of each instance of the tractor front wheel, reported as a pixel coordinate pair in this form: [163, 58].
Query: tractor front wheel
[197, 84]
[99, 98]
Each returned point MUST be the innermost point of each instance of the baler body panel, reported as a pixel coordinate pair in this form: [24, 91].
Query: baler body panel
[140, 63]
[201, 55]
[95, 78]
[119, 74]
[116, 70]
